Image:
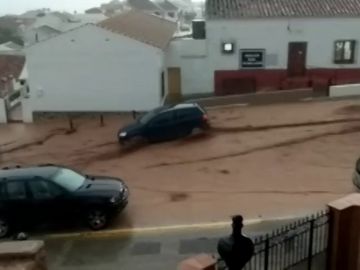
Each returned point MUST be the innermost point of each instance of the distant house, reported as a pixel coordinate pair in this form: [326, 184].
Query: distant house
[11, 45]
[94, 10]
[10, 48]
[170, 9]
[113, 66]
[33, 14]
[54, 23]
[147, 6]
[112, 8]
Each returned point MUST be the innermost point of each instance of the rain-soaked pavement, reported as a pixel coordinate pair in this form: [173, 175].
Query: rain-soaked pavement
[150, 250]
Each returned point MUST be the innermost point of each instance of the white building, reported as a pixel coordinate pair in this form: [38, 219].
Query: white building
[114, 66]
[147, 6]
[263, 45]
[169, 8]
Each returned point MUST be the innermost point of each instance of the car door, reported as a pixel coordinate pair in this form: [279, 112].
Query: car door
[185, 121]
[162, 127]
[18, 203]
[48, 200]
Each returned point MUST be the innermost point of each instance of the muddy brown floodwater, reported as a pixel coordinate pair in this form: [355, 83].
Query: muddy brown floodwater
[261, 161]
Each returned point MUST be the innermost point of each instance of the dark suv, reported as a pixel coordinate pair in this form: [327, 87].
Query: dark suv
[166, 123]
[47, 193]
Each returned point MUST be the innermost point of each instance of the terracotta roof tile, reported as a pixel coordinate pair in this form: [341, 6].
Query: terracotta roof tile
[143, 27]
[230, 9]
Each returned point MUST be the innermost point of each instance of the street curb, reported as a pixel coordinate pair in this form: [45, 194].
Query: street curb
[162, 229]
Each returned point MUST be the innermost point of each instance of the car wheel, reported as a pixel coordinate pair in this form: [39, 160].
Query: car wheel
[133, 142]
[4, 227]
[97, 219]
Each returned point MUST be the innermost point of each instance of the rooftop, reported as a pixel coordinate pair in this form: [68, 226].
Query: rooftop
[141, 26]
[233, 9]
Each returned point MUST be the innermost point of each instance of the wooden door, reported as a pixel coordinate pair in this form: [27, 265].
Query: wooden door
[297, 59]
[174, 82]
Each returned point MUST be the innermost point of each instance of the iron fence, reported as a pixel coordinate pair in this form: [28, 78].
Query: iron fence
[292, 244]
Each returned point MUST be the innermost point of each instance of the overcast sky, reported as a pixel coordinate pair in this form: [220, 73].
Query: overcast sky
[20, 6]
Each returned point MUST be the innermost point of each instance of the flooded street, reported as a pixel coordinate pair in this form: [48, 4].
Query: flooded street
[262, 161]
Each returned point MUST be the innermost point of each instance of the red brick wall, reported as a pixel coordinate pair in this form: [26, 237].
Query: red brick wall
[277, 79]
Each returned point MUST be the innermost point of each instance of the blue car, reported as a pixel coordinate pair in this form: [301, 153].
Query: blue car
[166, 123]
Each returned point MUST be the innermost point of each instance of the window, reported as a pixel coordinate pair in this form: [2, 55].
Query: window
[68, 179]
[41, 189]
[16, 190]
[344, 52]
[163, 119]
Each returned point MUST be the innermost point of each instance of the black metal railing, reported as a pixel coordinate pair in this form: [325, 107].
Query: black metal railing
[292, 244]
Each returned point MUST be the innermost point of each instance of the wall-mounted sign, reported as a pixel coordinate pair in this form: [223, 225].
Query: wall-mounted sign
[252, 58]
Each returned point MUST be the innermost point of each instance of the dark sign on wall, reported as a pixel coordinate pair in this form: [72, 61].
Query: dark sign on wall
[252, 58]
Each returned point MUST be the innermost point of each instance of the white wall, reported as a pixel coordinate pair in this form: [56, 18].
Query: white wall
[3, 115]
[192, 56]
[344, 90]
[91, 69]
[273, 35]
[27, 114]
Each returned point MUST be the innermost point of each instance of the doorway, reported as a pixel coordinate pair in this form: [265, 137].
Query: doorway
[174, 83]
[297, 59]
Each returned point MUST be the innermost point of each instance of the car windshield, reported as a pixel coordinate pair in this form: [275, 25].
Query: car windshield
[68, 179]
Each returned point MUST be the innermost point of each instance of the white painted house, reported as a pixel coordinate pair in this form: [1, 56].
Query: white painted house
[260, 45]
[113, 66]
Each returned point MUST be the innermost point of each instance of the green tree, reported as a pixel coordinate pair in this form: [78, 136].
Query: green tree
[10, 35]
